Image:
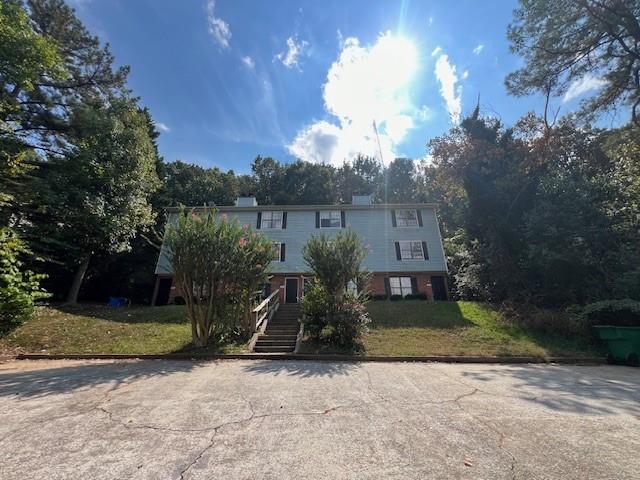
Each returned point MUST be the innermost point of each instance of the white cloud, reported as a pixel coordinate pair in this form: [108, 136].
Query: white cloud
[163, 127]
[436, 51]
[584, 85]
[478, 49]
[452, 94]
[465, 74]
[248, 62]
[295, 50]
[218, 28]
[364, 84]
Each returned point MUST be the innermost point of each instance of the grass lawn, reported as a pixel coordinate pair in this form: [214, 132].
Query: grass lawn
[414, 327]
[101, 329]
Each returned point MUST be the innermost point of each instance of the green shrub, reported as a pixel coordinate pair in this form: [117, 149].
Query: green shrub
[395, 298]
[378, 297]
[315, 307]
[349, 320]
[19, 289]
[416, 296]
[620, 313]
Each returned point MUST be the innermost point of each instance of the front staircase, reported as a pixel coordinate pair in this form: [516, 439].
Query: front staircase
[281, 332]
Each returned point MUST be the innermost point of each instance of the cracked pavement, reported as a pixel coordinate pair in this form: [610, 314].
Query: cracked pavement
[159, 419]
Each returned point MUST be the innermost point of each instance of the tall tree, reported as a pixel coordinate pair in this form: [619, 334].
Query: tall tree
[96, 198]
[400, 181]
[568, 44]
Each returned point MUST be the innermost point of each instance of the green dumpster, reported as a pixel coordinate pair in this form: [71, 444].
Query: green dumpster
[623, 343]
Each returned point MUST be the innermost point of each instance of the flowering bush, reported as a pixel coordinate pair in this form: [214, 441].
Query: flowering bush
[218, 265]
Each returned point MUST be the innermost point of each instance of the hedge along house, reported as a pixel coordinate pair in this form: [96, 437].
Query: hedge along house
[405, 253]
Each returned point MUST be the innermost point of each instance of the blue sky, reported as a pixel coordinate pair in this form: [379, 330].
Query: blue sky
[228, 80]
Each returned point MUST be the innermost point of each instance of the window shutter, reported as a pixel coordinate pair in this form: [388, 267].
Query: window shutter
[317, 219]
[414, 285]
[419, 214]
[387, 286]
[282, 252]
[259, 220]
[398, 256]
[284, 219]
[425, 251]
[393, 218]
[342, 222]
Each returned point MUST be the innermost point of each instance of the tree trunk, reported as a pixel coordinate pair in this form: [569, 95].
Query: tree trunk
[72, 296]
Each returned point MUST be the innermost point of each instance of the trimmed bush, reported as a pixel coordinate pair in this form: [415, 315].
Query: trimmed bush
[395, 298]
[379, 297]
[619, 313]
[416, 296]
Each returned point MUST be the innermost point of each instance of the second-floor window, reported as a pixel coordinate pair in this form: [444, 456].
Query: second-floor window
[330, 219]
[411, 250]
[278, 250]
[271, 220]
[407, 218]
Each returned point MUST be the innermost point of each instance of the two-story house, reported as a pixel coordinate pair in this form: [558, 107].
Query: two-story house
[403, 242]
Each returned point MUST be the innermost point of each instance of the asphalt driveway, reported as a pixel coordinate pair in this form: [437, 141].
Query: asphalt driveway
[314, 420]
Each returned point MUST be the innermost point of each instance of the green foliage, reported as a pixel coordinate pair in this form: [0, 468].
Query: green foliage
[335, 261]
[563, 42]
[332, 314]
[619, 313]
[217, 265]
[315, 308]
[19, 288]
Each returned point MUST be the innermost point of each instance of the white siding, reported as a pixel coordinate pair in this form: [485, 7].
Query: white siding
[374, 225]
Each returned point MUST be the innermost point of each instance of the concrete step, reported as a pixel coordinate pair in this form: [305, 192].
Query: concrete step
[282, 331]
[273, 349]
[276, 343]
[291, 337]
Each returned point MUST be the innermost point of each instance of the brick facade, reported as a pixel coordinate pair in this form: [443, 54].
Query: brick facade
[277, 282]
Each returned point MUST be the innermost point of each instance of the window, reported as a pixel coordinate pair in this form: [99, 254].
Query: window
[411, 250]
[407, 218]
[400, 286]
[271, 220]
[278, 250]
[330, 219]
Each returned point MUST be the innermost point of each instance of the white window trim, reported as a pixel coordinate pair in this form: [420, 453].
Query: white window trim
[330, 212]
[262, 220]
[414, 210]
[410, 287]
[411, 259]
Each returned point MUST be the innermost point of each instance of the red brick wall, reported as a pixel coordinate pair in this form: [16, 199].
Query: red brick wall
[377, 283]
[423, 278]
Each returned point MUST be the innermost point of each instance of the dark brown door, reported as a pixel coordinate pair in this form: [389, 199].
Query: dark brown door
[291, 290]
[439, 288]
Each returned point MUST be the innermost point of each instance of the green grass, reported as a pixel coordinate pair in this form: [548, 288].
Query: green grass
[101, 329]
[414, 327]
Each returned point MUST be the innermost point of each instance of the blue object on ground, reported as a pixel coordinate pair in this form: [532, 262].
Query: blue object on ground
[118, 302]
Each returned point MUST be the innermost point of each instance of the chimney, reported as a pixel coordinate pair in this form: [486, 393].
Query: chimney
[246, 202]
[361, 200]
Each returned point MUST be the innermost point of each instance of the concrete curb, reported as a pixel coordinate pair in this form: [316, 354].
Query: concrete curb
[316, 358]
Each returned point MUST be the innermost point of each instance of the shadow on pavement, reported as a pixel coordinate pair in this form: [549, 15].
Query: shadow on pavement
[582, 390]
[304, 369]
[68, 379]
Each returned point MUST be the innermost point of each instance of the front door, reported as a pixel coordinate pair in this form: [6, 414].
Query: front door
[438, 287]
[291, 290]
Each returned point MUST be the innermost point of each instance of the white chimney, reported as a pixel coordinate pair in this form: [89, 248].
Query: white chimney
[246, 202]
[361, 200]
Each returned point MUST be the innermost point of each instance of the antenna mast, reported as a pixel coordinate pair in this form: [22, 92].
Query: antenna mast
[375, 129]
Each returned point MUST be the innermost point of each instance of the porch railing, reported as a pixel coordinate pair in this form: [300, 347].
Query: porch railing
[265, 310]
